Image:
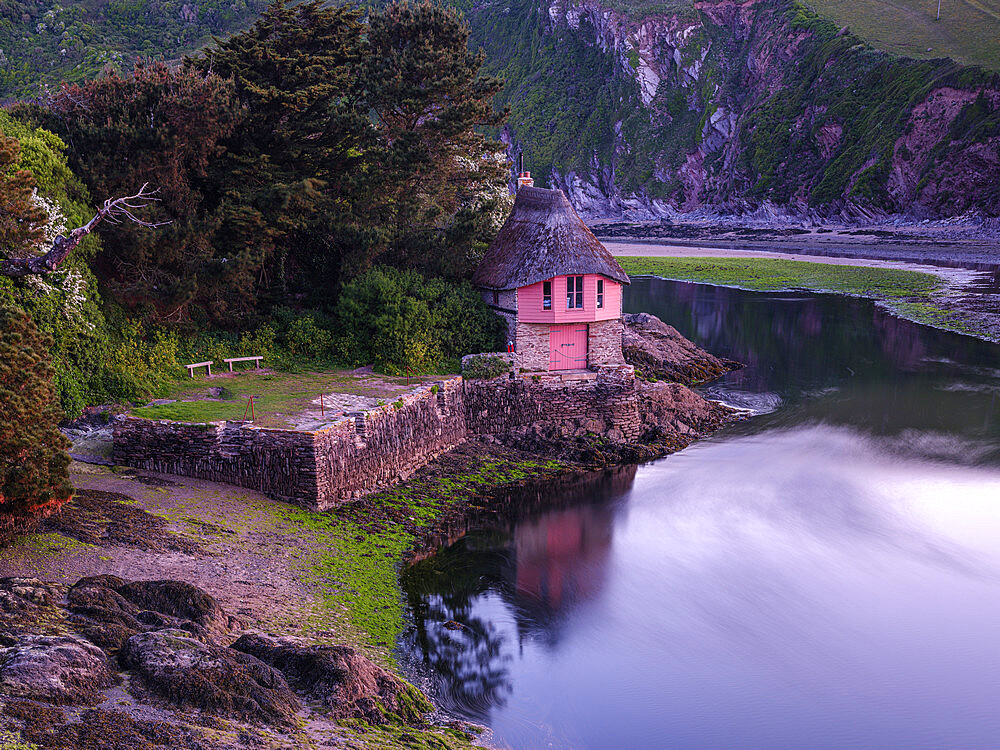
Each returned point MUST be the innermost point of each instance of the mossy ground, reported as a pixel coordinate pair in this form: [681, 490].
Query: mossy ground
[330, 577]
[909, 294]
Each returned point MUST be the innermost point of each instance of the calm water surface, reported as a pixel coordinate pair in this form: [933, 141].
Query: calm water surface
[825, 575]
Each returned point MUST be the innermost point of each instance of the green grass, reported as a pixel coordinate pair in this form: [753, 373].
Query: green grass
[969, 30]
[776, 274]
[277, 395]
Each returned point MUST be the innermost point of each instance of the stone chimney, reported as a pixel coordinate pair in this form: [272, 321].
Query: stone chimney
[523, 178]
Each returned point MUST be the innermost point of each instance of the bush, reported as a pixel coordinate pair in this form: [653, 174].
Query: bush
[485, 367]
[305, 339]
[398, 319]
[34, 464]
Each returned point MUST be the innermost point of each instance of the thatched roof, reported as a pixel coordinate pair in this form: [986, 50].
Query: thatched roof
[542, 238]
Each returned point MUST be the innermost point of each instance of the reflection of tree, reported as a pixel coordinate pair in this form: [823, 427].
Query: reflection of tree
[538, 572]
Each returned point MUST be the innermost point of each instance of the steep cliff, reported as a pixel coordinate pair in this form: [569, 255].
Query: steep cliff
[758, 105]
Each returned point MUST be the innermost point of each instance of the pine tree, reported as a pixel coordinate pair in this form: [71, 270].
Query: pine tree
[294, 176]
[164, 127]
[431, 103]
[34, 477]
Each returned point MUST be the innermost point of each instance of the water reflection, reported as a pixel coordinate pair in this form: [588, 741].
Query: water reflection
[825, 575]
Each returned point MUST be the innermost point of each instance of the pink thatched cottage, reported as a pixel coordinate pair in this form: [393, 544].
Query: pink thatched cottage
[557, 286]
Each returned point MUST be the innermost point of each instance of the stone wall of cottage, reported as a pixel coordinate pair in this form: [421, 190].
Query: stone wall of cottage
[532, 347]
[367, 451]
[604, 343]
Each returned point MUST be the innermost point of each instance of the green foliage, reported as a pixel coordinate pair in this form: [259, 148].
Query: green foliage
[13, 741]
[441, 181]
[34, 476]
[398, 320]
[163, 127]
[866, 95]
[485, 367]
[47, 41]
[306, 340]
[967, 32]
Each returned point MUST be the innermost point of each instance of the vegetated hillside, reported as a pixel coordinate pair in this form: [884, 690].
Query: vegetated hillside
[968, 31]
[49, 41]
[660, 108]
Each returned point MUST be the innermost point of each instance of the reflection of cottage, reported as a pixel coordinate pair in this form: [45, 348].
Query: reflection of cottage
[557, 286]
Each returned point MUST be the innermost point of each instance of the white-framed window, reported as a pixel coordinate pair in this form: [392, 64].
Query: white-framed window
[600, 293]
[574, 292]
[546, 295]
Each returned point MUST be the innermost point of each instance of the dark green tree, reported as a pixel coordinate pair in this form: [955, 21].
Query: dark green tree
[164, 127]
[34, 477]
[293, 182]
[442, 180]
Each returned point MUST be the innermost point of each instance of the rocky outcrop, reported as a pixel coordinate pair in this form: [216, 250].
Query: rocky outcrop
[180, 669]
[108, 610]
[64, 670]
[168, 644]
[658, 351]
[729, 107]
[346, 682]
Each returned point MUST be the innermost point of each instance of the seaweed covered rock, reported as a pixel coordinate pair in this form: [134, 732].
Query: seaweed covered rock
[109, 610]
[671, 408]
[350, 684]
[222, 681]
[27, 606]
[660, 352]
[65, 670]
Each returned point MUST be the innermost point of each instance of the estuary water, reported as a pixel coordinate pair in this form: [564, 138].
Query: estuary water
[823, 575]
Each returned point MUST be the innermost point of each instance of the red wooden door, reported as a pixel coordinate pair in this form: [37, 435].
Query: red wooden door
[568, 347]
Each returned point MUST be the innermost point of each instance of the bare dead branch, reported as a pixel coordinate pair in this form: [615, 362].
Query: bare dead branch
[114, 211]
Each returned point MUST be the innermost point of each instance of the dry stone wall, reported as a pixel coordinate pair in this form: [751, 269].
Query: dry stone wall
[367, 451]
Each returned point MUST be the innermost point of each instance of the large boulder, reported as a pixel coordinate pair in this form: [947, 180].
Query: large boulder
[65, 670]
[109, 610]
[221, 681]
[660, 352]
[348, 683]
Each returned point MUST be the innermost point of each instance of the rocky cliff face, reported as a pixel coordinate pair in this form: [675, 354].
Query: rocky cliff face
[737, 106]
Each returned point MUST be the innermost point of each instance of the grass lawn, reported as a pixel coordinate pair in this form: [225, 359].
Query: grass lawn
[776, 274]
[278, 396]
[969, 30]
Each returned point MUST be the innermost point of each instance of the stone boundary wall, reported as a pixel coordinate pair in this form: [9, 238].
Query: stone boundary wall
[279, 463]
[386, 445]
[367, 451]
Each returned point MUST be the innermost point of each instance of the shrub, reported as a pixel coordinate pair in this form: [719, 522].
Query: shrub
[34, 464]
[398, 319]
[305, 339]
[485, 367]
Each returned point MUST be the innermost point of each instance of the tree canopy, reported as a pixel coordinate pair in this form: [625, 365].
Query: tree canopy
[290, 158]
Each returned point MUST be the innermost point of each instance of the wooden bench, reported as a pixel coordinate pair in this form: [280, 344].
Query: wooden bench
[192, 368]
[256, 361]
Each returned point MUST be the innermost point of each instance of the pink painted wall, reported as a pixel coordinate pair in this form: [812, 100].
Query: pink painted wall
[529, 302]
